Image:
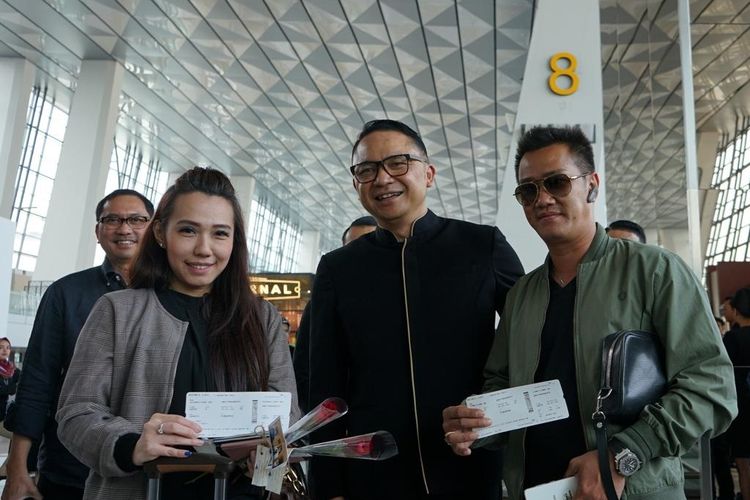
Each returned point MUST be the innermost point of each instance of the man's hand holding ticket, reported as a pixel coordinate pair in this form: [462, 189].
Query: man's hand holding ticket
[502, 411]
[519, 407]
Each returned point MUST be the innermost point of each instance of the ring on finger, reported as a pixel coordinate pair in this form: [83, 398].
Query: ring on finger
[160, 429]
[447, 434]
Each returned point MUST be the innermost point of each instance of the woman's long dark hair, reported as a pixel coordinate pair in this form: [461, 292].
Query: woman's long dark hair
[238, 352]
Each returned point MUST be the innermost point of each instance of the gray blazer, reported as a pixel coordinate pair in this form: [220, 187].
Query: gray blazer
[122, 372]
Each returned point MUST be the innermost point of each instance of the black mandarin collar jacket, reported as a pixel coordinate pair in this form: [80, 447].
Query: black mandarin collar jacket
[401, 330]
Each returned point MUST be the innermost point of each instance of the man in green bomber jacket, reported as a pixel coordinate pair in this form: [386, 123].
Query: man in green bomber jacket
[555, 318]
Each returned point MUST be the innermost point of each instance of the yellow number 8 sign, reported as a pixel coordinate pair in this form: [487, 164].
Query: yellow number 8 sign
[558, 72]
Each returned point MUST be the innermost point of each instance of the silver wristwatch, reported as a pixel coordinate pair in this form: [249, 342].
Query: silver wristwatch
[626, 462]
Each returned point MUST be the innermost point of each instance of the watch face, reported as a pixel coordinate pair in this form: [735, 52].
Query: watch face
[628, 464]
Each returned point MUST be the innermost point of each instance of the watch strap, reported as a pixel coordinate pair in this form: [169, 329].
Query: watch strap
[600, 426]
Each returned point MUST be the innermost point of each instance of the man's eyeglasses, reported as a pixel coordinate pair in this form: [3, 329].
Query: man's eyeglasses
[395, 166]
[134, 221]
[557, 185]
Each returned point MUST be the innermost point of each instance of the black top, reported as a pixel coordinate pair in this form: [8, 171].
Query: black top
[549, 447]
[302, 360]
[737, 343]
[193, 375]
[193, 372]
[383, 309]
[62, 312]
[8, 387]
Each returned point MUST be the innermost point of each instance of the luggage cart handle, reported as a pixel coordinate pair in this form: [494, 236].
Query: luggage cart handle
[219, 466]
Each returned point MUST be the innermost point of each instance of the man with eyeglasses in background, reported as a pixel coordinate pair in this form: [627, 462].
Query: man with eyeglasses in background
[122, 219]
[402, 320]
[553, 324]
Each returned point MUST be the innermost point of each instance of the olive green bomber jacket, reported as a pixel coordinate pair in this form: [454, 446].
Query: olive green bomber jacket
[624, 285]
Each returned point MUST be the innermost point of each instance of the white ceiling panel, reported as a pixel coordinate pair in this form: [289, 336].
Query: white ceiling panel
[279, 89]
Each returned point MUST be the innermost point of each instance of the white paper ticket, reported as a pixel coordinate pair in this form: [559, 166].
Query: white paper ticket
[564, 489]
[223, 414]
[518, 407]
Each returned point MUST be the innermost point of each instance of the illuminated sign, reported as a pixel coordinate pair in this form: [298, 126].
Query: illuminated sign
[272, 289]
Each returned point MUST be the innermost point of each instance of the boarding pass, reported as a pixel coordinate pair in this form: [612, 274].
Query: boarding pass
[518, 407]
[223, 414]
[564, 489]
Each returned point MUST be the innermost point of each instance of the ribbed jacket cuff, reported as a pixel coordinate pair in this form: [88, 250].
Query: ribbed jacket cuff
[639, 438]
[124, 452]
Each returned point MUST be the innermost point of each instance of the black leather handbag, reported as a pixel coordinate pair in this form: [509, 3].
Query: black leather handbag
[632, 377]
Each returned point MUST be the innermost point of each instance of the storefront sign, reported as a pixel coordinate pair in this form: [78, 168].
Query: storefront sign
[273, 289]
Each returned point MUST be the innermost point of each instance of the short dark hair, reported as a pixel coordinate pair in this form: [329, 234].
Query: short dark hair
[366, 220]
[385, 125]
[741, 302]
[542, 136]
[629, 225]
[124, 192]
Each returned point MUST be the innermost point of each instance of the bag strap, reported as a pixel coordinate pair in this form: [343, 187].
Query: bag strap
[600, 426]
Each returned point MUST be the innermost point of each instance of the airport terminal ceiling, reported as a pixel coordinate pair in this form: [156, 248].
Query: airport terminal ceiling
[278, 89]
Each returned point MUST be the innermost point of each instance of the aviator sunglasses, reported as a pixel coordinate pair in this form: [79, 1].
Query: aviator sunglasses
[557, 185]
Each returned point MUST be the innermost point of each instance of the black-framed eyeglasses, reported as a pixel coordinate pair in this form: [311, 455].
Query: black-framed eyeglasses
[557, 185]
[134, 221]
[395, 166]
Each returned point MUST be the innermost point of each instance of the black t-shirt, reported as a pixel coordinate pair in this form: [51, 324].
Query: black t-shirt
[194, 375]
[549, 447]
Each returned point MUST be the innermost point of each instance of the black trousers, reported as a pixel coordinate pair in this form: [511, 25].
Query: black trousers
[720, 465]
[54, 491]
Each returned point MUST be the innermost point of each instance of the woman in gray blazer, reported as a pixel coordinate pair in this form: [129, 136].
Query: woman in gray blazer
[189, 323]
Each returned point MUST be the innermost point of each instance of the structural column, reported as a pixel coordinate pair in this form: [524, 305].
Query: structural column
[309, 252]
[16, 79]
[562, 85]
[244, 188]
[707, 145]
[68, 242]
[688, 125]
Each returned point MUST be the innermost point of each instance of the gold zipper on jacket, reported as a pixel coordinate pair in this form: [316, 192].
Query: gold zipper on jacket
[411, 364]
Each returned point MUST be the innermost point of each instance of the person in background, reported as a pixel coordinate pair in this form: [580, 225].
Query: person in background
[401, 322]
[552, 327]
[286, 326]
[737, 342]
[122, 218]
[189, 323]
[722, 324]
[721, 453]
[729, 313]
[9, 375]
[626, 230]
[359, 227]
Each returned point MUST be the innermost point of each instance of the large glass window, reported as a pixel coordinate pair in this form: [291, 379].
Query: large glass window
[130, 169]
[273, 239]
[730, 231]
[45, 130]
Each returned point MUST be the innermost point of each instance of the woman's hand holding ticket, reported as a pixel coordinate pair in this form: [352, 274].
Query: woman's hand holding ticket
[459, 423]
